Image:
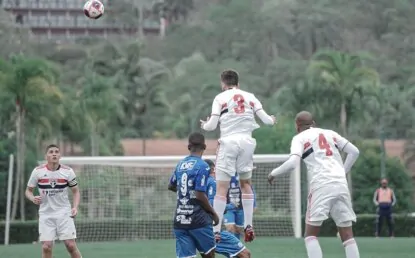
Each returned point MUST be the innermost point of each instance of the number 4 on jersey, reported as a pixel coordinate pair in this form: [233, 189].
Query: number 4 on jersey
[324, 145]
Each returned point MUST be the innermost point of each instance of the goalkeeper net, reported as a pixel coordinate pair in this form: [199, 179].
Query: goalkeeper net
[126, 198]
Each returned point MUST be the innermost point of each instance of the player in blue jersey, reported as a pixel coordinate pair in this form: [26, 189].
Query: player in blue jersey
[228, 245]
[234, 213]
[194, 217]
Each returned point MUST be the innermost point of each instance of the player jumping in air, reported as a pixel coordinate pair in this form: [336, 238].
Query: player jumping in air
[329, 193]
[234, 214]
[193, 217]
[228, 246]
[235, 110]
[56, 217]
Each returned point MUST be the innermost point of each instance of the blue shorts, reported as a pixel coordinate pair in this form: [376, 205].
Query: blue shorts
[234, 217]
[188, 240]
[229, 245]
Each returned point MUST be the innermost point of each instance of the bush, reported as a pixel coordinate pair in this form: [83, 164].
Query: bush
[119, 230]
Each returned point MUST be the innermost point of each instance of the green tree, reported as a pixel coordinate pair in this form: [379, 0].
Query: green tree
[31, 83]
[345, 77]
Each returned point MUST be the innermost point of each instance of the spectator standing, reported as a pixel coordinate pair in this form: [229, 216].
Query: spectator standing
[384, 199]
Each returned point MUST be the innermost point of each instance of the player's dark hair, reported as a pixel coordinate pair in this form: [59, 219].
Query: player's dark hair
[230, 78]
[196, 142]
[52, 146]
[210, 163]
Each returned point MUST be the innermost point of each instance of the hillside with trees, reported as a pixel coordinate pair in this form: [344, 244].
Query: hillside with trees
[351, 63]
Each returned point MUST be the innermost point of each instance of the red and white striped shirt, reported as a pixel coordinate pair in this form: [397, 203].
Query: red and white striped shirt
[53, 188]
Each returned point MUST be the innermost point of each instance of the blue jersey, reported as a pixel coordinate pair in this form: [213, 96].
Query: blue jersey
[211, 189]
[234, 196]
[190, 175]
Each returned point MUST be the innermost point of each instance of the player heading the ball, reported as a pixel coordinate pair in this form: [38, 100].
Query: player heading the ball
[56, 217]
[235, 110]
[194, 216]
[329, 193]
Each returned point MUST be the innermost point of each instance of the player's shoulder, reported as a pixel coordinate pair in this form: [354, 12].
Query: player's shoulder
[41, 167]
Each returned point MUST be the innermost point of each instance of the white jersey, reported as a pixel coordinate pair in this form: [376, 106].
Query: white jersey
[236, 109]
[320, 150]
[53, 188]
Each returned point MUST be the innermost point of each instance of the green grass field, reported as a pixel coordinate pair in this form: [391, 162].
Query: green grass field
[262, 247]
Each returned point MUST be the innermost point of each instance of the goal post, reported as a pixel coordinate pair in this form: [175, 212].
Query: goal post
[126, 198]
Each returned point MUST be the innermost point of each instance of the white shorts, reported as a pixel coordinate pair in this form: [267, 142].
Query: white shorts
[235, 154]
[60, 227]
[333, 200]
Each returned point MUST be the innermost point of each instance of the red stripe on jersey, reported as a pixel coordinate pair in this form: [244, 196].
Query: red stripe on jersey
[306, 145]
[47, 180]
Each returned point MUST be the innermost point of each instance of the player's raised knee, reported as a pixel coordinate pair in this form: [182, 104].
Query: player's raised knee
[47, 246]
[70, 245]
[245, 254]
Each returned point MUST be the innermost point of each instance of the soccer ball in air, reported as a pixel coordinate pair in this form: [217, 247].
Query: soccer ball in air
[93, 9]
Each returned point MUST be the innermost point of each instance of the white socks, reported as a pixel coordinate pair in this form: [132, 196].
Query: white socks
[313, 247]
[219, 205]
[248, 205]
[351, 249]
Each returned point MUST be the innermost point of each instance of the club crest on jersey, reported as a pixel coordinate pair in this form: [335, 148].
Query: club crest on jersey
[52, 183]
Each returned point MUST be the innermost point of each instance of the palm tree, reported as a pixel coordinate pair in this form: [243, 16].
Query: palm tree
[341, 77]
[31, 83]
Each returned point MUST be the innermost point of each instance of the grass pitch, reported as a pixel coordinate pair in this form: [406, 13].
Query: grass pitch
[260, 248]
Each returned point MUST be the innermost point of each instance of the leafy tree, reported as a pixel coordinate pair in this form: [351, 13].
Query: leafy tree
[31, 84]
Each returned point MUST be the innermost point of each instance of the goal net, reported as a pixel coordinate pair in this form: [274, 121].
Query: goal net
[126, 198]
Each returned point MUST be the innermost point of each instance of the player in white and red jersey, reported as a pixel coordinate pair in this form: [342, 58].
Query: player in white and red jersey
[329, 193]
[56, 217]
[235, 110]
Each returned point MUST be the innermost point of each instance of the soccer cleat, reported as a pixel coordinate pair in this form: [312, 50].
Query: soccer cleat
[249, 234]
[217, 237]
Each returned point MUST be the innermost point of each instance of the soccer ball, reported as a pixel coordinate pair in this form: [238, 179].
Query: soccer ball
[93, 9]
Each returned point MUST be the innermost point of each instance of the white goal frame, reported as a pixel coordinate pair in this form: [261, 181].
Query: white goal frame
[171, 161]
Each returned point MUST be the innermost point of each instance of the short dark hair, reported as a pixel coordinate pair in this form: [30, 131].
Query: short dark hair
[52, 146]
[210, 163]
[230, 77]
[196, 142]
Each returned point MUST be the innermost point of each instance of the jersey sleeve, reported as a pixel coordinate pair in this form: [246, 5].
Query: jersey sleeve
[33, 179]
[339, 140]
[72, 179]
[216, 108]
[297, 147]
[257, 105]
[202, 177]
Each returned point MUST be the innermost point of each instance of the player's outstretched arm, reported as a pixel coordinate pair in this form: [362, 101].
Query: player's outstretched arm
[352, 155]
[260, 112]
[213, 120]
[287, 166]
[297, 150]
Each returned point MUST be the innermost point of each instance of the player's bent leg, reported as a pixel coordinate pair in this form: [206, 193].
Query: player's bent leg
[219, 203]
[185, 245]
[72, 249]
[244, 254]
[47, 234]
[349, 243]
[204, 239]
[47, 249]
[312, 229]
